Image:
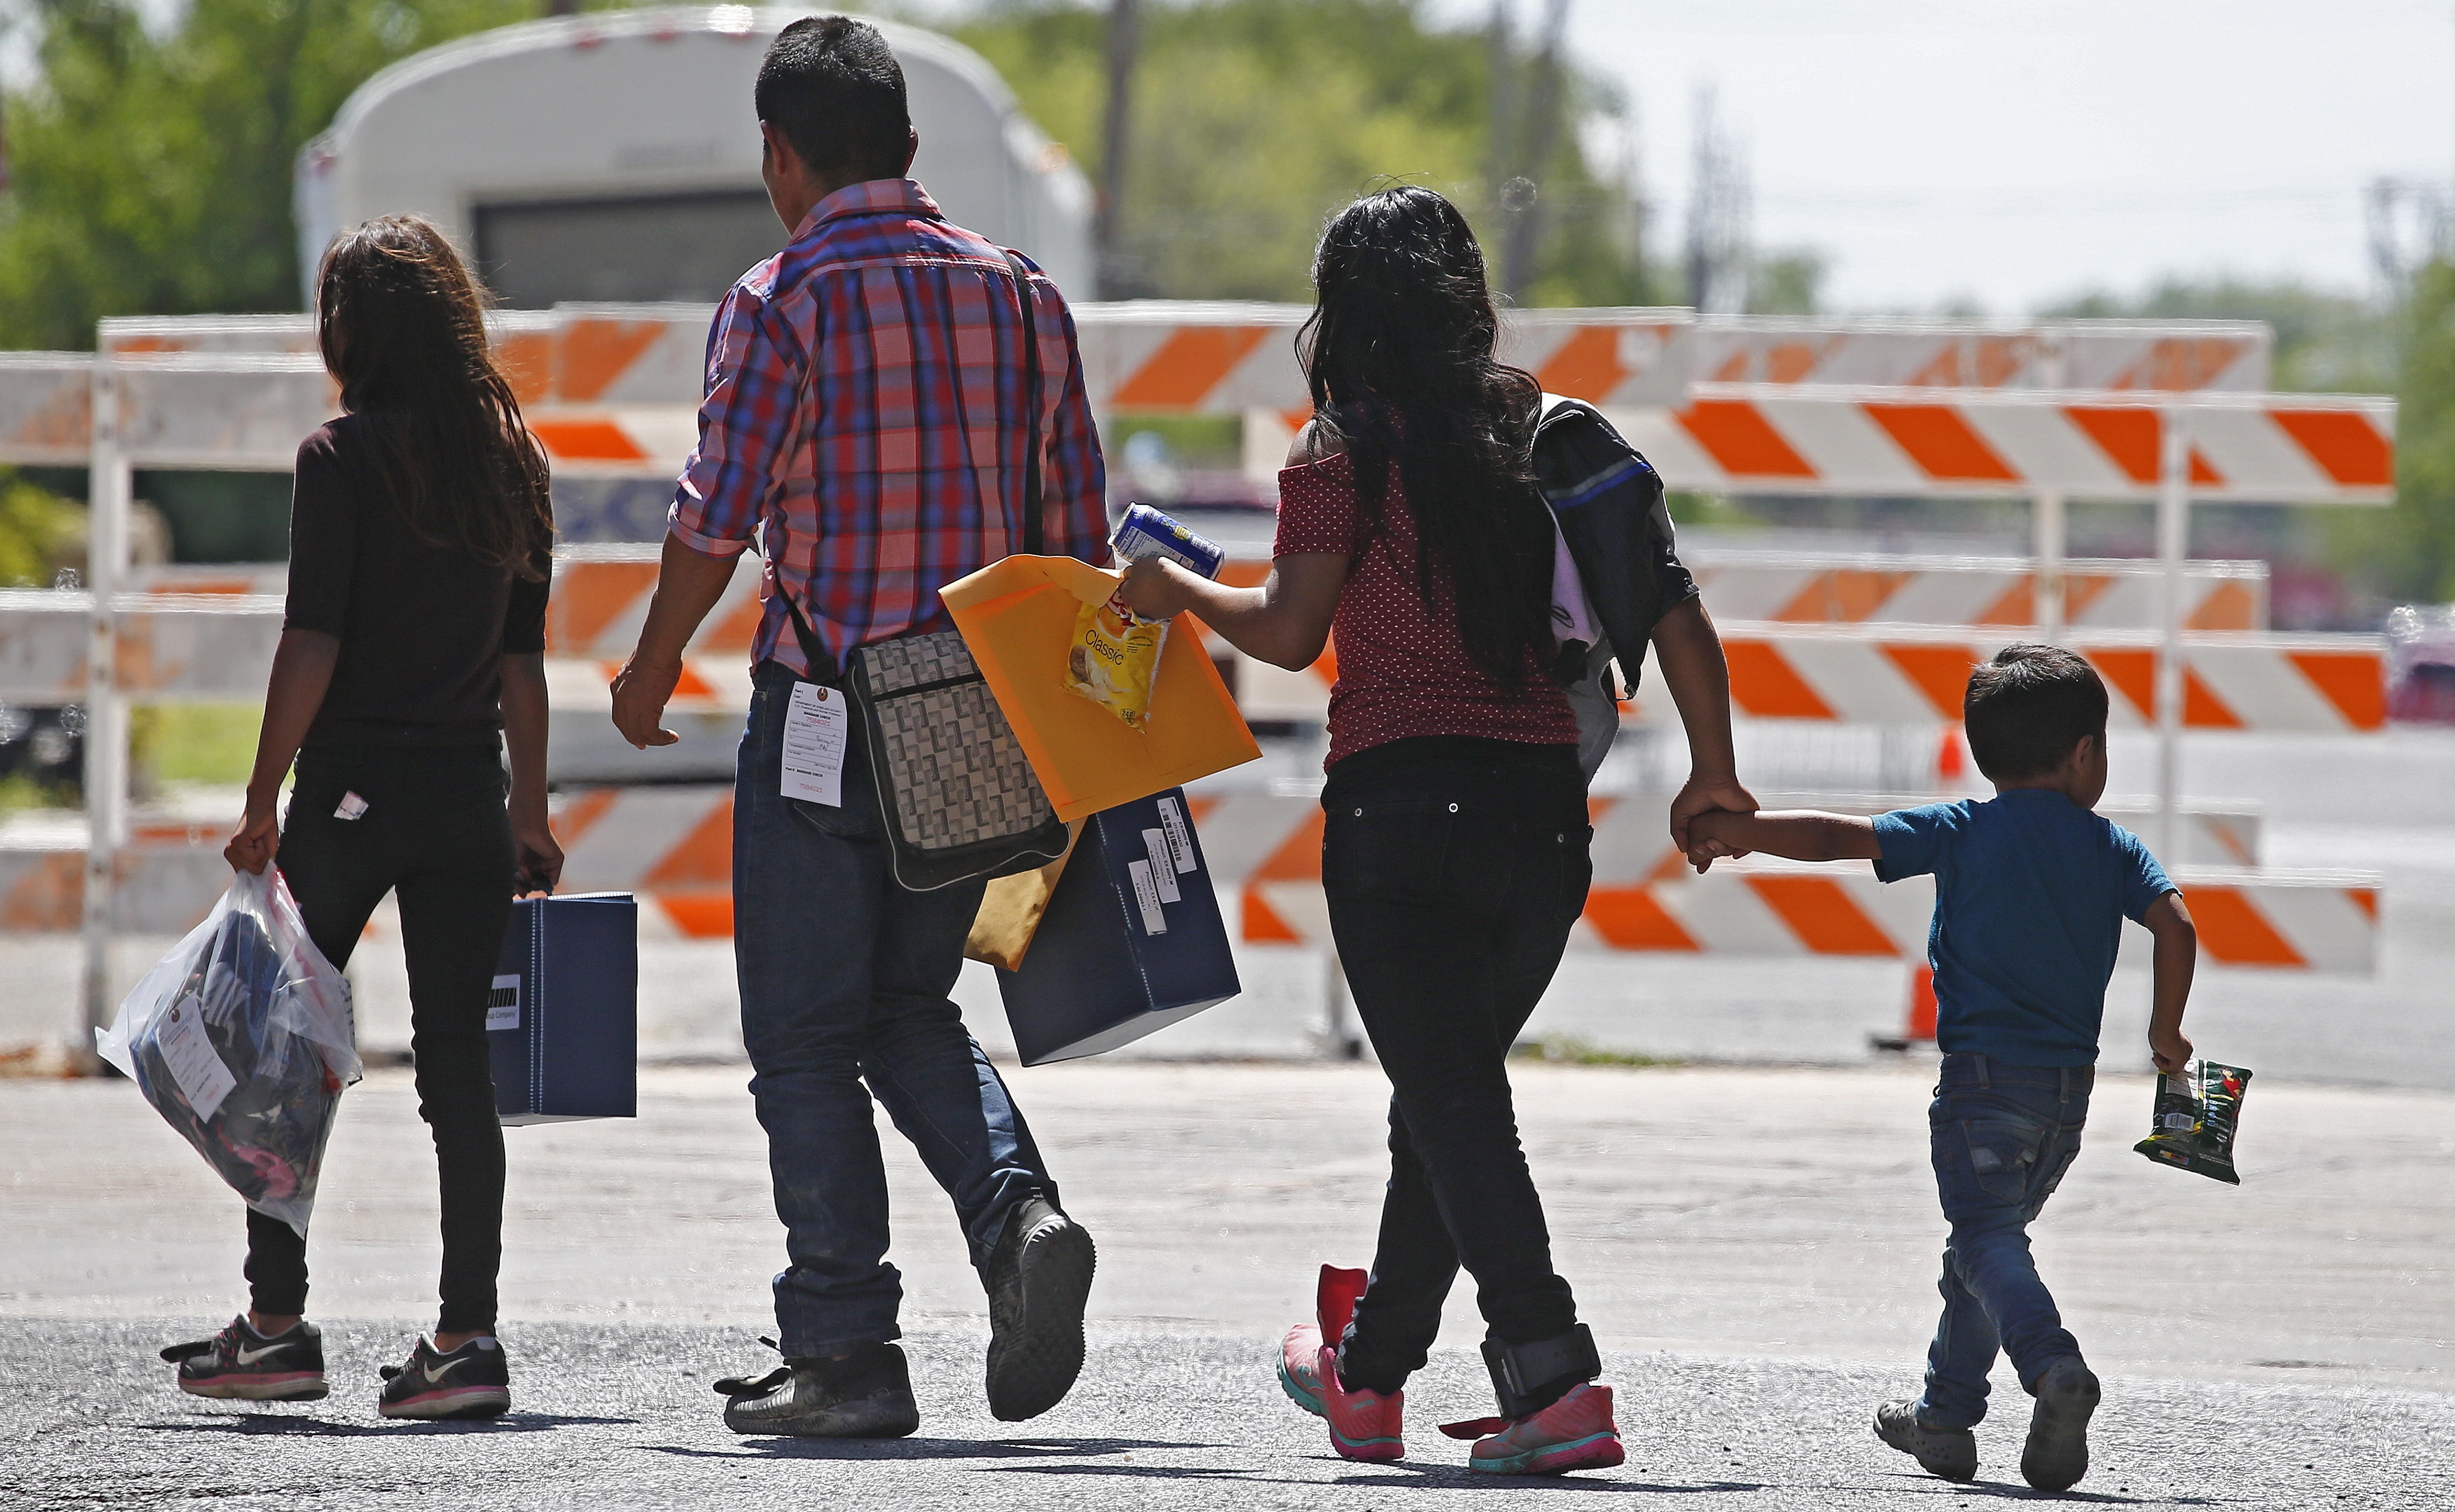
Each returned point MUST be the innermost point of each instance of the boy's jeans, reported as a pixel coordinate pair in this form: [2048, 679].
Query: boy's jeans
[843, 979]
[2003, 1135]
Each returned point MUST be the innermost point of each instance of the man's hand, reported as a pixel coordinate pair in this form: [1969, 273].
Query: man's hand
[258, 836]
[2171, 1052]
[641, 690]
[535, 852]
[1703, 795]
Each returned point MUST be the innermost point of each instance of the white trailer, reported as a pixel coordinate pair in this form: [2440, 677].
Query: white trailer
[613, 156]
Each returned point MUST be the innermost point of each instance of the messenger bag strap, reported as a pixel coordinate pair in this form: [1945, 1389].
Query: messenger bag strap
[1033, 530]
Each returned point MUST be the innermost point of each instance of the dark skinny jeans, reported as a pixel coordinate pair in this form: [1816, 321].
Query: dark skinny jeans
[1454, 869]
[435, 833]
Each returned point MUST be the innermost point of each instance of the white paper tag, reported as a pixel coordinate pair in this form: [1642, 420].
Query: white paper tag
[194, 1064]
[1161, 872]
[815, 730]
[503, 1005]
[1180, 837]
[351, 806]
[1146, 893]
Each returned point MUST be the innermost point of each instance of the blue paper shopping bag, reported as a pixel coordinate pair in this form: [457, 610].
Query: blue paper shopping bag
[563, 1022]
[1133, 941]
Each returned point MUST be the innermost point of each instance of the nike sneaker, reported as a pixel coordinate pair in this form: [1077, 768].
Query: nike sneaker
[1364, 1426]
[1574, 1433]
[471, 1381]
[240, 1365]
[1039, 1280]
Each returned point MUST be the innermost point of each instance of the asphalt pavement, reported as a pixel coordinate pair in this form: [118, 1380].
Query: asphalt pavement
[1755, 1248]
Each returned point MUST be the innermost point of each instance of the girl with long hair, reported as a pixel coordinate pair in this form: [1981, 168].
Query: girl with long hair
[1455, 850]
[412, 661]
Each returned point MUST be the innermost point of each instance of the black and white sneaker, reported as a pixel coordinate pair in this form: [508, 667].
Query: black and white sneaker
[1040, 1277]
[240, 1365]
[472, 1382]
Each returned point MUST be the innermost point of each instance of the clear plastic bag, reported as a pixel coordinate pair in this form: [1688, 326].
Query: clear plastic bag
[242, 1039]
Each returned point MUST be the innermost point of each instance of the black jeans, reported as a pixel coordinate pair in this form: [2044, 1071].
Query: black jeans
[1454, 869]
[434, 831]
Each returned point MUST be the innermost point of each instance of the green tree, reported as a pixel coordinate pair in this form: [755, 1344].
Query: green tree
[1253, 120]
[150, 173]
[2408, 551]
[33, 523]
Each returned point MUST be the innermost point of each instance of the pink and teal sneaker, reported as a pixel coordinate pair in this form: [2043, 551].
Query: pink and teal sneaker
[1363, 1424]
[1574, 1433]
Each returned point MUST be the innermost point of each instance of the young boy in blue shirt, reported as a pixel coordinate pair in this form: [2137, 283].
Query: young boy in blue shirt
[2031, 889]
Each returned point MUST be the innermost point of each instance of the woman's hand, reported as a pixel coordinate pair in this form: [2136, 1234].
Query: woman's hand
[537, 855]
[258, 836]
[1152, 588]
[1704, 793]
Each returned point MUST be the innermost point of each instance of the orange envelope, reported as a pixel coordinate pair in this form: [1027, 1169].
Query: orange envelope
[1018, 617]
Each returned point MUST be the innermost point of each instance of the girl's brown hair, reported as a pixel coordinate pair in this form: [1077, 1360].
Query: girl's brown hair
[403, 331]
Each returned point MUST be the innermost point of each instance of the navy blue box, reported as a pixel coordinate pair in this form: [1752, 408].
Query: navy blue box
[563, 1022]
[1133, 941]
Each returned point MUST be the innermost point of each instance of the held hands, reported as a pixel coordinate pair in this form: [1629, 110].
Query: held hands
[1707, 794]
[641, 690]
[2170, 1050]
[1154, 588]
[258, 836]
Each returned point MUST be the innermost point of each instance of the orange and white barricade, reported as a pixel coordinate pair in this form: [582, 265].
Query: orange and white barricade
[1989, 592]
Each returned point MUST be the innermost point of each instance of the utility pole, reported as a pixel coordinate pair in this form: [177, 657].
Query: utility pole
[1108, 225]
[1543, 112]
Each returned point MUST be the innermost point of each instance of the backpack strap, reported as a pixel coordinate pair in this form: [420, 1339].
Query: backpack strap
[1034, 529]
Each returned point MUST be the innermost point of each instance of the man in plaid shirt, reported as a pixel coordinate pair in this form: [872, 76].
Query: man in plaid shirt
[866, 420]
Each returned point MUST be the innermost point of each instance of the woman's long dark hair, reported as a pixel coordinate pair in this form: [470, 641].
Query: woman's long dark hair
[403, 333]
[1399, 355]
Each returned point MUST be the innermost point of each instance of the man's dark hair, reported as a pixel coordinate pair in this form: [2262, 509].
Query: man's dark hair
[2027, 708]
[832, 86]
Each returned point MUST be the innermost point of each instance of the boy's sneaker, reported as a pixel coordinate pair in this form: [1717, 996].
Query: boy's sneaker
[865, 1395]
[240, 1365]
[2056, 1455]
[1951, 1453]
[1039, 1280]
[1365, 1426]
[1574, 1433]
[471, 1381]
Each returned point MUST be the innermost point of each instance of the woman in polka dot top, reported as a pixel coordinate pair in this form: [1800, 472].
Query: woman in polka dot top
[1454, 851]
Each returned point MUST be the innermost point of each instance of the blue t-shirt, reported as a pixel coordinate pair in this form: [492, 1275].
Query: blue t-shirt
[2030, 891]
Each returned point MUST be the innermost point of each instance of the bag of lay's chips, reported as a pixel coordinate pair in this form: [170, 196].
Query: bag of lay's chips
[1115, 652]
[1112, 658]
[2197, 1113]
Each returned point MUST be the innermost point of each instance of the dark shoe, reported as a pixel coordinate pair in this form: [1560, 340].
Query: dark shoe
[865, 1395]
[1038, 1278]
[472, 1382]
[240, 1365]
[1951, 1453]
[2056, 1455]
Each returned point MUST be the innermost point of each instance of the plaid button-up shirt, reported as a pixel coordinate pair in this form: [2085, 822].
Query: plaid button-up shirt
[865, 419]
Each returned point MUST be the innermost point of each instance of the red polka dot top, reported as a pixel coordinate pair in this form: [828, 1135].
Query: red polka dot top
[1402, 669]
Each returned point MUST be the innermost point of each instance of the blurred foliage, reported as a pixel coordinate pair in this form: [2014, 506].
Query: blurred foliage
[2407, 552]
[1254, 120]
[1788, 283]
[34, 523]
[196, 743]
[151, 166]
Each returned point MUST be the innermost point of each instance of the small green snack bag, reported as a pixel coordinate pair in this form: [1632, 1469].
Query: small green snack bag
[2197, 1113]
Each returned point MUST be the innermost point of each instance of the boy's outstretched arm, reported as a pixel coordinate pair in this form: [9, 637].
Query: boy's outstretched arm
[1798, 834]
[2177, 952]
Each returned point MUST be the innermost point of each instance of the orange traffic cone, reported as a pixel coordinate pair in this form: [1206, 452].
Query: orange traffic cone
[1920, 1028]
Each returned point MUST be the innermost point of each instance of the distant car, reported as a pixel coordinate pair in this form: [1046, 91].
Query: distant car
[2421, 664]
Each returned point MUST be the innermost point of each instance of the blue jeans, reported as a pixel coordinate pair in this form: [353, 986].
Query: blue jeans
[843, 979]
[2003, 1135]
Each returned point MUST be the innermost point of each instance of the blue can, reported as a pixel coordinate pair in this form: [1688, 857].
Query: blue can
[1146, 532]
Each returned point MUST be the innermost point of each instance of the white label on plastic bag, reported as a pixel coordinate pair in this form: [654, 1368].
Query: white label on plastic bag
[193, 1061]
[815, 729]
[1146, 893]
[1162, 873]
[1180, 838]
[503, 1005]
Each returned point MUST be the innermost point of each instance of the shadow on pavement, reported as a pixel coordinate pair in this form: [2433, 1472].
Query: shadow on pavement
[265, 1422]
[2008, 1491]
[917, 1448]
